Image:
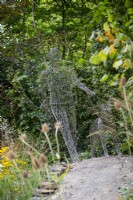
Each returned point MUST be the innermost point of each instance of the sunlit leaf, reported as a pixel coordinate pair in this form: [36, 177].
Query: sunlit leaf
[95, 60]
[106, 27]
[104, 78]
[99, 39]
[58, 156]
[110, 18]
[127, 64]
[106, 50]
[102, 55]
[112, 50]
[92, 35]
[117, 64]
[81, 61]
[130, 47]
[109, 37]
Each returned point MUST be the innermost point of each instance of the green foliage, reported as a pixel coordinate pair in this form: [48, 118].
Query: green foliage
[94, 36]
[126, 193]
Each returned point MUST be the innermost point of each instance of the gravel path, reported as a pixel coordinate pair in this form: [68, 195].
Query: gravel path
[97, 179]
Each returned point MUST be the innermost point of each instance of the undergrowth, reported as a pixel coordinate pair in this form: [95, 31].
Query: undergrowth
[23, 167]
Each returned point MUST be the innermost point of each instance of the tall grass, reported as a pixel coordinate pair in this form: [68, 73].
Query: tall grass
[125, 108]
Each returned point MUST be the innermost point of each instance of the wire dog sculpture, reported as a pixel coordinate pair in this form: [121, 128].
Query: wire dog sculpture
[101, 128]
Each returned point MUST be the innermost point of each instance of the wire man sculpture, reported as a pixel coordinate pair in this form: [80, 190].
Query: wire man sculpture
[60, 81]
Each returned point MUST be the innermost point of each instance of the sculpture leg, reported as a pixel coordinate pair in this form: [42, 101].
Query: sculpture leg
[61, 115]
[95, 141]
[72, 123]
[93, 148]
[103, 142]
[116, 145]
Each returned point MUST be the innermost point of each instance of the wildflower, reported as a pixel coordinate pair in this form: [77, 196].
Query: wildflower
[117, 104]
[3, 150]
[11, 155]
[123, 81]
[43, 158]
[6, 163]
[57, 125]
[7, 166]
[23, 137]
[45, 128]
[25, 174]
[35, 163]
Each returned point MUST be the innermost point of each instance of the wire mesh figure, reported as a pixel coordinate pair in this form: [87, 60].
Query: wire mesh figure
[60, 81]
[100, 130]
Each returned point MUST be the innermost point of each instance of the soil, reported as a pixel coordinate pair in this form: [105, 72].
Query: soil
[97, 179]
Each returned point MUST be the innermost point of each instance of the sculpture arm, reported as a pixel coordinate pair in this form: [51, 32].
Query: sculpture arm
[83, 87]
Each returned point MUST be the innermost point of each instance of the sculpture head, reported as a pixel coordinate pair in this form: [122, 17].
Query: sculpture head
[55, 56]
